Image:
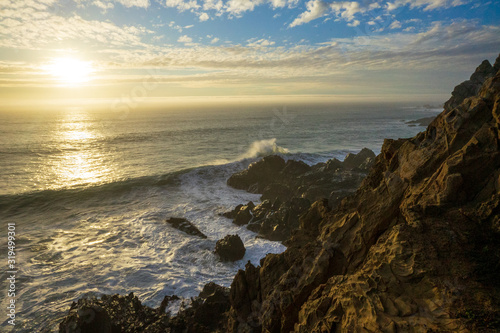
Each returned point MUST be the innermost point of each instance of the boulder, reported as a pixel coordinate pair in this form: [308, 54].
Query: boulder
[243, 216]
[185, 226]
[230, 248]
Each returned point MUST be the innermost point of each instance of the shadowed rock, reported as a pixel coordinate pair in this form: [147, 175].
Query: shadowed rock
[292, 187]
[230, 248]
[185, 226]
[416, 248]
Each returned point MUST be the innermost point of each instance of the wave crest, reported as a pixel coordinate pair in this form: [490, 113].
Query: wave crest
[263, 148]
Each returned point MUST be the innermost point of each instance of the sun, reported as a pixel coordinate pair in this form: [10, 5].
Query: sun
[70, 71]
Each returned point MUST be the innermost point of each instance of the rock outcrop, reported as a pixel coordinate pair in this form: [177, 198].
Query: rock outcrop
[126, 314]
[416, 249]
[230, 248]
[472, 86]
[288, 189]
[185, 226]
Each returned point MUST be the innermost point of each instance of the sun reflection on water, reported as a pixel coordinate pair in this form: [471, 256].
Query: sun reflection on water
[80, 159]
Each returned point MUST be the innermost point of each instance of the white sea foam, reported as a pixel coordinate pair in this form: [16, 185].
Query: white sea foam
[263, 148]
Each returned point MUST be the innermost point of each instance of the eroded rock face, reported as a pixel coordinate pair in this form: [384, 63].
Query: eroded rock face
[230, 248]
[417, 248]
[471, 87]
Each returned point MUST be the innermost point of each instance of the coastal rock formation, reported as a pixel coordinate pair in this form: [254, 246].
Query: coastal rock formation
[230, 248]
[417, 248]
[421, 122]
[185, 226]
[471, 87]
[126, 314]
[288, 189]
[113, 314]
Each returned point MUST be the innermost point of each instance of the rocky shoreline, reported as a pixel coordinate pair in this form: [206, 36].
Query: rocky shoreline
[415, 248]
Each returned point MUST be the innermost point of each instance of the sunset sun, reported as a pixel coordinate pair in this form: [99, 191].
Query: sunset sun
[70, 71]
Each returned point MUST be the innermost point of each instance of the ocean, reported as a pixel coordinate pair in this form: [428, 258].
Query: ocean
[89, 190]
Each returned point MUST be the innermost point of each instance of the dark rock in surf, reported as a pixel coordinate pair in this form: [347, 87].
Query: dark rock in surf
[243, 216]
[257, 174]
[126, 314]
[113, 314]
[230, 248]
[185, 226]
[294, 185]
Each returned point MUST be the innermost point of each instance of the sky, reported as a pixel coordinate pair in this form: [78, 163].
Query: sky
[139, 49]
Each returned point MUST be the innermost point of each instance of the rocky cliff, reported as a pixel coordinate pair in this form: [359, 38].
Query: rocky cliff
[415, 249]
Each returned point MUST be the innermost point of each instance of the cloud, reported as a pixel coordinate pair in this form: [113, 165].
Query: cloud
[314, 9]
[203, 17]
[354, 23]
[133, 3]
[425, 4]
[345, 10]
[185, 39]
[395, 25]
[102, 5]
[237, 7]
[216, 5]
[214, 40]
[182, 5]
[43, 27]
[259, 43]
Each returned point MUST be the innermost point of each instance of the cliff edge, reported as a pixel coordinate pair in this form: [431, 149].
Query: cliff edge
[416, 249]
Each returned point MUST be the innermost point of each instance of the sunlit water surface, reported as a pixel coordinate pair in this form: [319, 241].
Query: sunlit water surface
[89, 190]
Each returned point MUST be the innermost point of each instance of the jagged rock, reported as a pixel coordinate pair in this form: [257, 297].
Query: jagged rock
[113, 314]
[295, 168]
[416, 248]
[333, 165]
[293, 180]
[184, 225]
[258, 174]
[353, 161]
[208, 310]
[471, 87]
[243, 216]
[232, 214]
[230, 248]
[110, 314]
